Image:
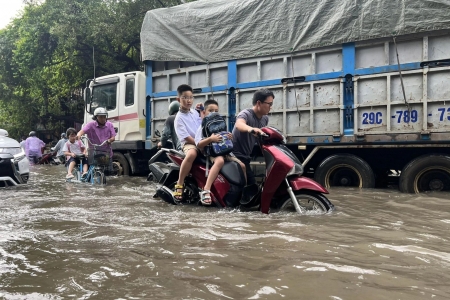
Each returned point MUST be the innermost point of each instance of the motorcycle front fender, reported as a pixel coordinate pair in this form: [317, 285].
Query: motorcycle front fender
[305, 183]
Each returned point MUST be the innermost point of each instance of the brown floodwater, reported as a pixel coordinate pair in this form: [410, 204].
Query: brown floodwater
[77, 241]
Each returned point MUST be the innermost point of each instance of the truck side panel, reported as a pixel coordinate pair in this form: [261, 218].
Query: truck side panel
[351, 92]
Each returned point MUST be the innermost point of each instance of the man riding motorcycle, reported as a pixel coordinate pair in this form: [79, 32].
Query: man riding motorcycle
[34, 147]
[247, 128]
[59, 146]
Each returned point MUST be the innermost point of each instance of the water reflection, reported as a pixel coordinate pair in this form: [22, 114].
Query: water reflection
[60, 240]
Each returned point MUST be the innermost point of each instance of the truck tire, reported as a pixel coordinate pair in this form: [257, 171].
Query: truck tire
[429, 172]
[345, 170]
[120, 164]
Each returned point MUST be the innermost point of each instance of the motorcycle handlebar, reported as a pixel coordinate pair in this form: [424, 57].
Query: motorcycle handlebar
[259, 133]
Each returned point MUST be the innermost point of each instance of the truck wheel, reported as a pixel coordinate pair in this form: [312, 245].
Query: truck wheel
[120, 164]
[345, 170]
[429, 172]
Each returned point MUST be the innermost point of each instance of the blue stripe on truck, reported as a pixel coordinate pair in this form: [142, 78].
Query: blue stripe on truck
[348, 58]
[148, 106]
[219, 88]
[387, 69]
[348, 62]
[348, 67]
[232, 83]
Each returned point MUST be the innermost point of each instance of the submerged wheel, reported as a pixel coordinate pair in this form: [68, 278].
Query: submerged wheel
[120, 164]
[76, 174]
[345, 170]
[190, 193]
[98, 178]
[312, 203]
[426, 173]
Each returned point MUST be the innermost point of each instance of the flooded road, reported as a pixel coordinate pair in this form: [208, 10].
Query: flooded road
[77, 241]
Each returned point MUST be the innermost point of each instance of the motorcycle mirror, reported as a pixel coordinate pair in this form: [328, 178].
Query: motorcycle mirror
[157, 133]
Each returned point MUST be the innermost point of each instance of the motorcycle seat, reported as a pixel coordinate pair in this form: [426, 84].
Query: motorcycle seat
[176, 152]
[232, 171]
[201, 159]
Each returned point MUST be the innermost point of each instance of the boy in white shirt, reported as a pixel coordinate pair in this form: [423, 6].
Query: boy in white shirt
[187, 122]
[71, 149]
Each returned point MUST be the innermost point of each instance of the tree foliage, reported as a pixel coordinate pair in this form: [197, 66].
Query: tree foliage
[46, 56]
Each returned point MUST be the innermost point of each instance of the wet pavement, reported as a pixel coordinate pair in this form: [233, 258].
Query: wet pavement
[77, 241]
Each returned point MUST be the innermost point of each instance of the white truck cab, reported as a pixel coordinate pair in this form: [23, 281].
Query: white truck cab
[123, 96]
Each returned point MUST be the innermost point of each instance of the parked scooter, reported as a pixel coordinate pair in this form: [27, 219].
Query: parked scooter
[282, 188]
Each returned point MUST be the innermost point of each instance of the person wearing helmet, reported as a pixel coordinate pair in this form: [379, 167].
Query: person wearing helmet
[169, 128]
[34, 147]
[59, 147]
[99, 130]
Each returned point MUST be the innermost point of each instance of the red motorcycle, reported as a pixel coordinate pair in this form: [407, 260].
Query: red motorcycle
[49, 158]
[282, 188]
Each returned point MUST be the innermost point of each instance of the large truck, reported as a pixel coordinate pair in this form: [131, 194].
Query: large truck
[362, 89]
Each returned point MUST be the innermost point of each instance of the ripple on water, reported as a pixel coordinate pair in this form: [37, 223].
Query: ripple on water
[416, 249]
[340, 268]
[60, 240]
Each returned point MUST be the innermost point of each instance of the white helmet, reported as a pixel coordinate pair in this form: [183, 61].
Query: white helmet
[100, 111]
[3, 132]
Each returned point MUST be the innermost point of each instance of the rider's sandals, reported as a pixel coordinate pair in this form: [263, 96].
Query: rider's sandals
[84, 174]
[205, 197]
[178, 195]
[69, 176]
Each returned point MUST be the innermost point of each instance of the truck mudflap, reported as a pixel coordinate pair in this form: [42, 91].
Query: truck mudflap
[305, 183]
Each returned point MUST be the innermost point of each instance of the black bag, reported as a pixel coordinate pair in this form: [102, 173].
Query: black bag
[215, 124]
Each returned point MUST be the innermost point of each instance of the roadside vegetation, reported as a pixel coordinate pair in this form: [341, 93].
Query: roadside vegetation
[46, 56]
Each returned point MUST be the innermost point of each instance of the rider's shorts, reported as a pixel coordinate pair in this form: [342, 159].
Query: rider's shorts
[188, 147]
[84, 160]
[227, 158]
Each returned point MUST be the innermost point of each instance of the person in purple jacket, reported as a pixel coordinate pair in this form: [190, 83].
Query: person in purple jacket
[34, 147]
[99, 130]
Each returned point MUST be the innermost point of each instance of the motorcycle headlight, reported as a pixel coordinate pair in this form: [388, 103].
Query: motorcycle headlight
[297, 169]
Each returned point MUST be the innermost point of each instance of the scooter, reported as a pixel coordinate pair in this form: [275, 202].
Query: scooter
[49, 158]
[282, 188]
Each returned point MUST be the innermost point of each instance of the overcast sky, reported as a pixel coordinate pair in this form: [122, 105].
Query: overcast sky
[8, 10]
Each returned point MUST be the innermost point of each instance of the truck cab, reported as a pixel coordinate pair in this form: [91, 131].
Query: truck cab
[123, 96]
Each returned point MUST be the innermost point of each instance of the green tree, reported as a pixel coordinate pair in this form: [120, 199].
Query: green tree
[46, 56]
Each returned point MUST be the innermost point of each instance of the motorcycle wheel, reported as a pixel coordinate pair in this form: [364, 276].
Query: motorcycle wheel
[190, 193]
[312, 203]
